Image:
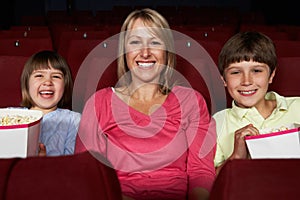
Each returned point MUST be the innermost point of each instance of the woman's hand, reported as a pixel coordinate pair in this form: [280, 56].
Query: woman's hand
[42, 150]
[240, 150]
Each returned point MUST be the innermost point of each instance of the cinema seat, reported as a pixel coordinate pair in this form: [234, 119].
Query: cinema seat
[260, 179]
[24, 46]
[76, 177]
[11, 68]
[286, 80]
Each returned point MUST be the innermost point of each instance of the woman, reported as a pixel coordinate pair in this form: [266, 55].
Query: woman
[153, 133]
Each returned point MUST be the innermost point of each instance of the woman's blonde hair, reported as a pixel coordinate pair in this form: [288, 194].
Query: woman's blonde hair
[161, 29]
[41, 60]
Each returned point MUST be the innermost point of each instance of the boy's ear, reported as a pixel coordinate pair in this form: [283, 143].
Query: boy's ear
[224, 81]
[272, 76]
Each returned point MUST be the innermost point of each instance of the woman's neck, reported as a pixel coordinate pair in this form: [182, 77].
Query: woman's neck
[146, 92]
[145, 99]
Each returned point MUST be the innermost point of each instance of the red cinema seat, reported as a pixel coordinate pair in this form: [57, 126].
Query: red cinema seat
[24, 46]
[67, 36]
[11, 68]
[260, 179]
[76, 177]
[286, 80]
[78, 50]
[287, 48]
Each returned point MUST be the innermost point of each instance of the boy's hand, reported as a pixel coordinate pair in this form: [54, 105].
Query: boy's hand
[42, 150]
[240, 149]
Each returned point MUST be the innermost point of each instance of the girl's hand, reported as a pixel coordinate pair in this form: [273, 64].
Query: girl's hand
[240, 150]
[42, 150]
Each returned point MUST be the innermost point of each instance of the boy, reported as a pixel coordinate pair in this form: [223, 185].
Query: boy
[247, 64]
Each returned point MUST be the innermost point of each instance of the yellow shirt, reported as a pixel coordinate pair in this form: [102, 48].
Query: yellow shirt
[229, 120]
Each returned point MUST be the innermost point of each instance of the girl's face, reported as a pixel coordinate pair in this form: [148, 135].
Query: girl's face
[145, 53]
[247, 82]
[46, 88]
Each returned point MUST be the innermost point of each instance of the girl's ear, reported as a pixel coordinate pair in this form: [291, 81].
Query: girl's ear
[224, 81]
[272, 76]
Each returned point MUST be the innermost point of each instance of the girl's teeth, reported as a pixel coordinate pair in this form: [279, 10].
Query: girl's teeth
[46, 92]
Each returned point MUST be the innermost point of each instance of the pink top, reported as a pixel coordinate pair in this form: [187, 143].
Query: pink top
[159, 156]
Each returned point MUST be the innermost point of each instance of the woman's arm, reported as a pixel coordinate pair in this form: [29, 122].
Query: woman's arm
[202, 147]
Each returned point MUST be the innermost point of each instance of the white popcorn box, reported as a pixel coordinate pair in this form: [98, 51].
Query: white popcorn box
[19, 138]
[280, 142]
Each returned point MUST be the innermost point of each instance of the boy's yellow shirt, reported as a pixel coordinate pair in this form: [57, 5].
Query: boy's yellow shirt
[229, 120]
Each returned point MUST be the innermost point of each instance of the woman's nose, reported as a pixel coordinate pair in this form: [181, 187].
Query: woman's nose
[145, 52]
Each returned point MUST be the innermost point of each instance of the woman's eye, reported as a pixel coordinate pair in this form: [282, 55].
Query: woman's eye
[134, 42]
[155, 43]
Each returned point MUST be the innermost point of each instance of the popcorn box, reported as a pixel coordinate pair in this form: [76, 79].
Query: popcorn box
[19, 132]
[281, 142]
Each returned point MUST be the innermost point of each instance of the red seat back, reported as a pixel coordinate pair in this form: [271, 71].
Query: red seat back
[11, 68]
[80, 176]
[286, 80]
[261, 179]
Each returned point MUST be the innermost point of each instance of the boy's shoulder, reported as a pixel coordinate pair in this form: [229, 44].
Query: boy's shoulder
[221, 113]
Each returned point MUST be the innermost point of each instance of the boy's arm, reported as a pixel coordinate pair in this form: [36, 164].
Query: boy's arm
[240, 149]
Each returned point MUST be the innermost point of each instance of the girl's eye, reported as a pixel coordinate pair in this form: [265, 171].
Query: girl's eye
[38, 75]
[58, 76]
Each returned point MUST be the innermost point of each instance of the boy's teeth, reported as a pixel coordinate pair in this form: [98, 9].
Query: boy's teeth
[247, 92]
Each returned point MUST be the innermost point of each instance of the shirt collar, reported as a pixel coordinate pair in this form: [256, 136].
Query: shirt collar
[280, 101]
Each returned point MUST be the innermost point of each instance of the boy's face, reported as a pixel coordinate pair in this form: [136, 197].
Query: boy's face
[247, 83]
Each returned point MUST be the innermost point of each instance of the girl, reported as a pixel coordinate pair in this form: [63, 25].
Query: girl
[46, 85]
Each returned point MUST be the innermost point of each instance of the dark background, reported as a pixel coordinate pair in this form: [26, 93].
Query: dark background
[275, 12]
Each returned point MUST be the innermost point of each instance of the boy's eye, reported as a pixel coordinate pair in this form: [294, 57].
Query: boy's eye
[234, 72]
[257, 70]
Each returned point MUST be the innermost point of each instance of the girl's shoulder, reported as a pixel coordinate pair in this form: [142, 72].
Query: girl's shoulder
[67, 112]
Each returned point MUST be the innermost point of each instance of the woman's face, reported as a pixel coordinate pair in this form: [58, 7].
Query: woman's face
[247, 82]
[46, 88]
[145, 53]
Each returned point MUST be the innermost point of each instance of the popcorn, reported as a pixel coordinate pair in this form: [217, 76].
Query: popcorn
[9, 120]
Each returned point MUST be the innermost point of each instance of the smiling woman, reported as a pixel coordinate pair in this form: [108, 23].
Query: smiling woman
[158, 136]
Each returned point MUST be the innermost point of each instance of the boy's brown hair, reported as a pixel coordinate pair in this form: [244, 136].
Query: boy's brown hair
[246, 46]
